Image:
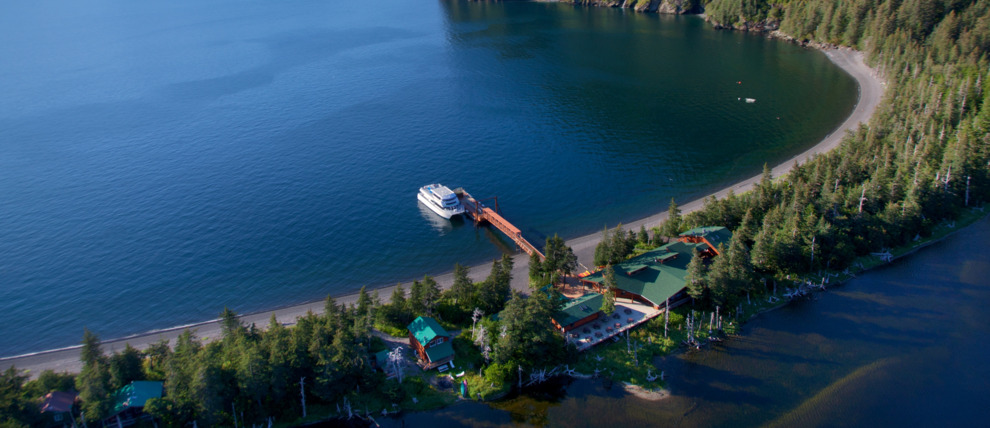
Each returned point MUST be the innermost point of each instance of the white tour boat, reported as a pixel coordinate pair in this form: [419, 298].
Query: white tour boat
[440, 200]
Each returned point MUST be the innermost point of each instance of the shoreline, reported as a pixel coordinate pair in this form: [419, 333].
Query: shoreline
[870, 92]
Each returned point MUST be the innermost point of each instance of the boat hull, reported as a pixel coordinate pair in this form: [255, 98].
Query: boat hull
[447, 214]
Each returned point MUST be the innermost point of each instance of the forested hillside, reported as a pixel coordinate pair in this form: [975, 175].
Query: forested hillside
[924, 156]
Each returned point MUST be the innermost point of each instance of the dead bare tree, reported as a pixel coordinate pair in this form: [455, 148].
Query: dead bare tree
[395, 361]
[302, 394]
[475, 316]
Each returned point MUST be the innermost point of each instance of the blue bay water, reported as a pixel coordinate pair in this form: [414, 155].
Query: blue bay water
[161, 160]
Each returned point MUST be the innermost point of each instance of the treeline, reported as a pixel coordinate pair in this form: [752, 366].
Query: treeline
[251, 375]
[248, 373]
[19, 396]
[735, 12]
[924, 157]
[454, 305]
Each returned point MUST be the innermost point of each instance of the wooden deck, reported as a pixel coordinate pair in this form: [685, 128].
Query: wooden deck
[627, 315]
[482, 213]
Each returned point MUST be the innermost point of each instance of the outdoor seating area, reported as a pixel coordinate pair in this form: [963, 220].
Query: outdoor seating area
[633, 314]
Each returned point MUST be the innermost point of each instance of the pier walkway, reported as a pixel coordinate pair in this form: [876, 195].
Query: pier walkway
[481, 213]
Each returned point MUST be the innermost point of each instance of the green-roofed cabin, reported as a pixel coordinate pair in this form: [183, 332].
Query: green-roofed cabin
[711, 236]
[431, 342]
[578, 312]
[129, 402]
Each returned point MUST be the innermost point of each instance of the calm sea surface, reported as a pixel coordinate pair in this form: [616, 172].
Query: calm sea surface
[903, 345]
[159, 160]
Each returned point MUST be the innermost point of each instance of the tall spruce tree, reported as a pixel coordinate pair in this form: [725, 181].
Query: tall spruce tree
[697, 276]
[94, 379]
[431, 294]
[560, 259]
[462, 290]
[537, 276]
[672, 226]
[608, 284]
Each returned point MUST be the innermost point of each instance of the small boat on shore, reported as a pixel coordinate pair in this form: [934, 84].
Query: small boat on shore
[441, 200]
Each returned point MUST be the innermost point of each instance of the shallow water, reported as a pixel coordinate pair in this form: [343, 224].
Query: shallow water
[160, 160]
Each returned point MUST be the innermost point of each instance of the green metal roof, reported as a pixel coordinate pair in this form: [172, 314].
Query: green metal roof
[136, 394]
[714, 234]
[440, 351]
[425, 329]
[579, 308]
[663, 276]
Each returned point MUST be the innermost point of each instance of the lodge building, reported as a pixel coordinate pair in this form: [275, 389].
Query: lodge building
[657, 276]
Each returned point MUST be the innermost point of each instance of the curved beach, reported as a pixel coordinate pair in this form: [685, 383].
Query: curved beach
[870, 92]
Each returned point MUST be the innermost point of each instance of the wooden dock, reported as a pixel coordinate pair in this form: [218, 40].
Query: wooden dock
[481, 213]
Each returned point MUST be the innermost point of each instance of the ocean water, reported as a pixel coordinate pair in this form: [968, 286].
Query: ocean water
[160, 160]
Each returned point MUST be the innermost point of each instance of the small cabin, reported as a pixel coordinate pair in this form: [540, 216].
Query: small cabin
[56, 407]
[433, 345]
[129, 401]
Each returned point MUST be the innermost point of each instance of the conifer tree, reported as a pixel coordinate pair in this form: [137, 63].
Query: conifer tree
[94, 378]
[560, 259]
[747, 228]
[696, 278]
[417, 296]
[16, 408]
[462, 289]
[672, 226]
[608, 284]
[125, 367]
[536, 275]
[642, 237]
[230, 325]
[604, 249]
[431, 294]
[720, 279]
